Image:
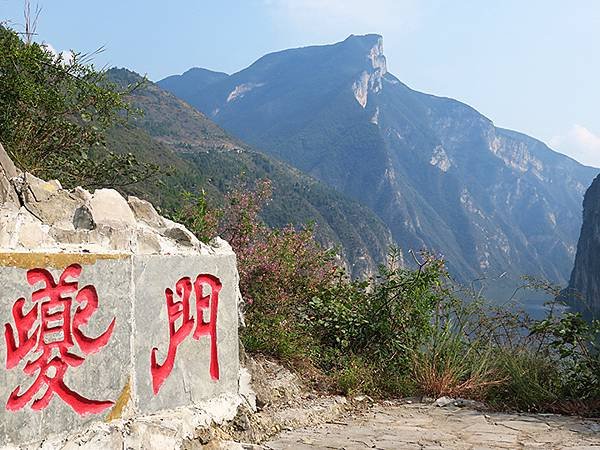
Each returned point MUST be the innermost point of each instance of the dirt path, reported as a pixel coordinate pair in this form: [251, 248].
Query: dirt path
[420, 426]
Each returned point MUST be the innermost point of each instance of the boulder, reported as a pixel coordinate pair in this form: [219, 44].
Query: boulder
[145, 212]
[32, 233]
[58, 209]
[37, 190]
[109, 208]
[83, 219]
[7, 172]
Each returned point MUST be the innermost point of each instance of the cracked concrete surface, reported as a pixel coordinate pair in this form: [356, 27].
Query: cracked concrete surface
[422, 426]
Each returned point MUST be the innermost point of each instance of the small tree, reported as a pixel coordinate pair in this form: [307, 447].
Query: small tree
[54, 112]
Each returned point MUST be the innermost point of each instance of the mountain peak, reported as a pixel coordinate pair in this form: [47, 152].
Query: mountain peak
[191, 81]
[369, 38]
[372, 46]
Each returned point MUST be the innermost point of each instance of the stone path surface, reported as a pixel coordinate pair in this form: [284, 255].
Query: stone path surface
[422, 426]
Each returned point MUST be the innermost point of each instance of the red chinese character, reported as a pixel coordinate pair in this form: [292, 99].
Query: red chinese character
[177, 309]
[48, 331]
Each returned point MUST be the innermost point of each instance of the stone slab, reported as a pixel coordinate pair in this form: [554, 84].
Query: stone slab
[102, 376]
[190, 379]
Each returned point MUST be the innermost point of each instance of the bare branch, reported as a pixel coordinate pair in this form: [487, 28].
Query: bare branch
[31, 21]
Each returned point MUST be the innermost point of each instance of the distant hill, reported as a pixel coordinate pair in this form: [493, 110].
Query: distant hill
[202, 156]
[191, 82]
[437, 172]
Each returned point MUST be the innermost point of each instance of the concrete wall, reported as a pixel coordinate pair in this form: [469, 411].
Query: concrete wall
[132, 295]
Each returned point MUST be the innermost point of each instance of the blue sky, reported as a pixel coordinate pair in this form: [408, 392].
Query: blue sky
[529, 65]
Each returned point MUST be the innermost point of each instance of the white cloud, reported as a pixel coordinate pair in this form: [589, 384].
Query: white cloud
[346, 16]
[579, 143]
[67, 55]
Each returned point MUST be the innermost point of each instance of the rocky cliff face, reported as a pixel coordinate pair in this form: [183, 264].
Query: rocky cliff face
[437, 172]
[583, 293]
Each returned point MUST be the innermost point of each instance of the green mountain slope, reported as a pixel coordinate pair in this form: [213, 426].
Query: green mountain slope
[201, 155]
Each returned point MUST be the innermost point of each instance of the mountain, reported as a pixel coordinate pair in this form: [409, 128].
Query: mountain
[436, 171]
[192, 81]
[200, 155]
[583, 293]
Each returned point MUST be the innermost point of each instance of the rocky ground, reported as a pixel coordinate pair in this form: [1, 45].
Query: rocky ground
[289, 417]
[426, 426]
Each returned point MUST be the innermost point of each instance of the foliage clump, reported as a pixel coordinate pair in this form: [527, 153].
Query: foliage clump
[54, 113]
[405, 331]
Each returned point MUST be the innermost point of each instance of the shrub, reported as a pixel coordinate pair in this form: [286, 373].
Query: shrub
[405, 331]
[379, 321]
[450, 365]
[54, 114]
[280, 269]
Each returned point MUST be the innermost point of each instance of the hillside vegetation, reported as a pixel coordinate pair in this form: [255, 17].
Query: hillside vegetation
[201, 156]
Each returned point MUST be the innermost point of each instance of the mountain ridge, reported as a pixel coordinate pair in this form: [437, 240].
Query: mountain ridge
[434, 169]
[202, 156]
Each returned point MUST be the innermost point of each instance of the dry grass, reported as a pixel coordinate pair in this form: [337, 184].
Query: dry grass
[452, 380]
[452, 366]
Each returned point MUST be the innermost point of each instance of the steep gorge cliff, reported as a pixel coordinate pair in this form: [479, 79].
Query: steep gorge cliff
[583, 293]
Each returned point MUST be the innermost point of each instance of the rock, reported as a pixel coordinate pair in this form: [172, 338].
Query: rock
[8, 226]
[182, 236]
[109, 208]
[220, 244]
[583, 293]
[82, 219]
[148, 243]
[273, 384]
[57, 209]
[443, 401]
[32, 234]
[7, 172]
[71, 237]
[119, 239]
[245, 389]
[37, 213]
[82, 194]
[145, 212]
[37, 190]
[241, 421]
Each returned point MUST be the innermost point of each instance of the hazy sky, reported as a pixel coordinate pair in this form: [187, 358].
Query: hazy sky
[529, 65]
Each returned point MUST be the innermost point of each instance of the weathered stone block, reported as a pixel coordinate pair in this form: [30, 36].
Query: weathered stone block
[109, 208]
[145, 212]
[193, 376]
[79, 351]
[7, 172]
[93, 361]
[88, 333]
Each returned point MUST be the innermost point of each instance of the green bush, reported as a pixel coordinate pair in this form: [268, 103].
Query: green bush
[54, 114]
[406, 331]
